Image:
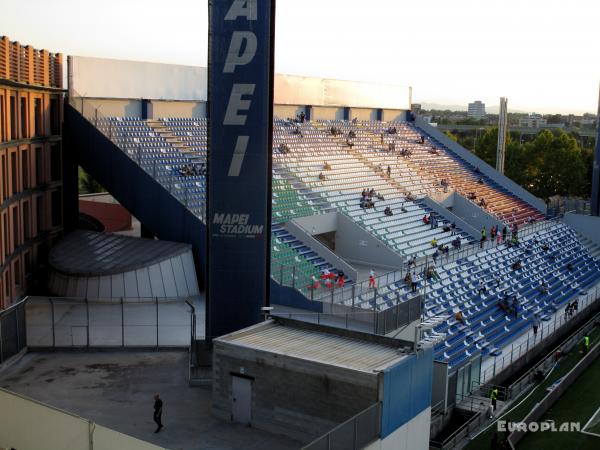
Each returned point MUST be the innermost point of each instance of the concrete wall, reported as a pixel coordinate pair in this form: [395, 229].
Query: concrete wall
[163, 108]
[110, 107]
[354, 244]
[327, 113]
[27, 424]
[324, 252]
[589, 226]
[363, 113]
[111, 78]
[288, 111]
[102, 77]
[483, 166]
[474, 215]
[297, 398]
[451, 217]
[397, 115]
[320, 223]
[413, 435]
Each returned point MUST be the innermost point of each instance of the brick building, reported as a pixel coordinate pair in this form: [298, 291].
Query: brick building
[31, 194]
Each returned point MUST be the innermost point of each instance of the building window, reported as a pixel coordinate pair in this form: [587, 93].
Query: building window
[37, 111]
[15, 226]
[14, 173]
[54, 116]
[55, 163]
[25, 169]
[26, 221]
[3, 179]
[39, 167]
[24, 118]
[13, 118]
[39, 211]
[17, 273]
[2, 120]
[56, 205]
[5, 231]
[27, 263]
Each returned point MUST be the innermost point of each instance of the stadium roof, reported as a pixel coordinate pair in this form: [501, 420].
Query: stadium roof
[91, 253]
[319, 346]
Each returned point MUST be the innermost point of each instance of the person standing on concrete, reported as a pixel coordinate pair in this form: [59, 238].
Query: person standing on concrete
[372, 284]
[494, 397]
[536, 324]
[158, 405]
[586, 344]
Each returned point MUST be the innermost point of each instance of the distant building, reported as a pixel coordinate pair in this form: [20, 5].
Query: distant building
[537, 121]
[533, 121]
[31, 193]
[476, 110]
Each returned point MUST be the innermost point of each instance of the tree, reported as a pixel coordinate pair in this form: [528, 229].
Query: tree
[554, 165]
[87, 185]
[451, 136]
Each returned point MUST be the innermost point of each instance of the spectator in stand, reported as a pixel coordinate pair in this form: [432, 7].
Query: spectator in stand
[408, 279]
[453, 228]
[435, 255]
[389, 171]
[432, 221]
[482, 289]
[315, 283]
[340, 279]
[402, 208]
[472, 196]
[382, 141]
[498, 238]
[459, 316]
[326, 166]
[322, 176]
[444, 249]
[302, 117]
[349, 142]
[477, 171]
[446, 227]
[372, 280]
[515, 306]
[483, 237]
[425, 219]
[493, 233]
[422, 140]
[517, 265]
[480, 180]
[412, 262]
[457, 243]
[543, 288]
[351, 134]
[388, 211]
[504, 233]
[434, 242]
[570, 266]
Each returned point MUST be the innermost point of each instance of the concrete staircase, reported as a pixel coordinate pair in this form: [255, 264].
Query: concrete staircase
[592, 247]
[161, 129]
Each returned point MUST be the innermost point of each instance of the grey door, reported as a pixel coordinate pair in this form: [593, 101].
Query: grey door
[241, 408]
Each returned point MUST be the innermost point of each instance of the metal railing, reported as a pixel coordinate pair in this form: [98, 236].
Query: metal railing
[169, 179]
[546, 330]
[13, 337]
[354, 434]
[54, 322]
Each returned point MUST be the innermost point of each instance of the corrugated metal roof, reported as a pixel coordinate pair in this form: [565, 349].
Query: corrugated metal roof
[92, 253]
[317, 346]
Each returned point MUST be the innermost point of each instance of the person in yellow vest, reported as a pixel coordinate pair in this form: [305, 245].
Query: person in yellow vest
[586, 344]
[494, 398]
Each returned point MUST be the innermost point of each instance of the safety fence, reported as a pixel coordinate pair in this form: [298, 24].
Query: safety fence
[12, 331]
[78, 323]
[528, 342]
[376, 322]
[354, 434]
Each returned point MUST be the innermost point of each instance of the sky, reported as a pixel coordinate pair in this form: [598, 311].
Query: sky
[544, 55]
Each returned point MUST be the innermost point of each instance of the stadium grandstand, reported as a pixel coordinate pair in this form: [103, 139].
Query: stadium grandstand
[407, 279]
